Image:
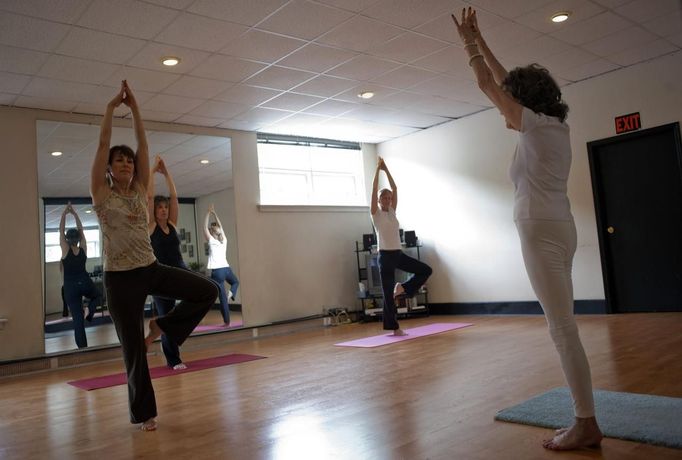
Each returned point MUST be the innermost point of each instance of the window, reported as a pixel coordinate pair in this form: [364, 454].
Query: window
[304, 171]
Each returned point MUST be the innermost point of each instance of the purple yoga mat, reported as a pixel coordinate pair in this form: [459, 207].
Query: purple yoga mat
[163, 371]
[217, 327]
[413, 333]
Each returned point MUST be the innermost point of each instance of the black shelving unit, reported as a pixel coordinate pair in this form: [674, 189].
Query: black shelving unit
[372, 303]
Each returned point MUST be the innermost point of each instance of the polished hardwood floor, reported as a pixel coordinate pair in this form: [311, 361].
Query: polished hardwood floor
[430, 398]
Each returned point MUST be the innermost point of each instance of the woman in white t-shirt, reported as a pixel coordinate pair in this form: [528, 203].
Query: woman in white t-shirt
[530, 101]
[391, 256]
[217, 262]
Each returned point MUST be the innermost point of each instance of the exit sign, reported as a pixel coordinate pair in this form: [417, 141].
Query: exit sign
[629, 122]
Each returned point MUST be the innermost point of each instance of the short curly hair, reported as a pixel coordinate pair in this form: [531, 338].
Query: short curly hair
[533, 87]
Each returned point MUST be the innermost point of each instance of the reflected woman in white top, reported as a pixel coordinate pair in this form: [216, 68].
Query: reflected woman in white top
[391, 256]
[530, 101]
[217, 262]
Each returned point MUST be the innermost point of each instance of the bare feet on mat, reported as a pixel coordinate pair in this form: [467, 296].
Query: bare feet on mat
[399, 333]
[154, 333]
[179, 367]
[227, 324]
[149, 425]
[584, 433]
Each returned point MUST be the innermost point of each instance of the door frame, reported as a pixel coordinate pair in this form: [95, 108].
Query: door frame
[599, 206]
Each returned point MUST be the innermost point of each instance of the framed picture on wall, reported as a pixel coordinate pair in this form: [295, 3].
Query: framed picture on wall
[183, 247]
[182, 234]
[188, 237]
[190, 250]
[206, 249]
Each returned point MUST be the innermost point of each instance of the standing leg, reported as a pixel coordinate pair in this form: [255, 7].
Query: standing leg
[126, 295]
[548, 248]
[74, 299]
[94, 297]
[218, 275]
[170, 349]
[387, 261]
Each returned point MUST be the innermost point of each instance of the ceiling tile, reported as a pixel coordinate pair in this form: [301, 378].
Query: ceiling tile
[325, 86]
[643, 52]
[246, 12]
[99, 46]
[645, 10]
[301, 124]
[592, 29]
[292, 101]
[330, 108]
[408, 13]
[622, 40]
[45, 103]
[127, 17]
[64, 11]
[363, 68]
[226, 68]
[7, 99]
[276, 77]
[443, 27]
[534, 50]
[665, 26]
[13, 83]
[141, 79]
[316, 58]
[508, 35]
[611, 3]
[407, 47]
[359, 34]
[404, 77]
[304, 19]
[47, 88]
[587, 70]
[199, 121]
[174, 104]
[452, 60]
[197, 87]
[19, 60]
[560, 63]
[164, 117]
[261, 116]
[352, 94]
[174, 4]
[262, 46]
[222, 110]
[75, 69]
[509, 8]
[199, 32]
[247, 95]
[350, 5]
[31, 33]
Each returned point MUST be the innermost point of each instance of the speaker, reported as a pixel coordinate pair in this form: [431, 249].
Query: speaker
[410, 238]
[368, 240]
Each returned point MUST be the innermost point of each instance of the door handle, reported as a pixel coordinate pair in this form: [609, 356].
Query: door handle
[610, 229]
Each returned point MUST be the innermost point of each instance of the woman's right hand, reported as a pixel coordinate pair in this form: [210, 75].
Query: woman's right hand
[468, 29]
[118, 99]
[211, 208]
[129, 98]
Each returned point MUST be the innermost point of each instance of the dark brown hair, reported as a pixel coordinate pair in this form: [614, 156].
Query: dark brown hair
[123, 150]
[533, 87]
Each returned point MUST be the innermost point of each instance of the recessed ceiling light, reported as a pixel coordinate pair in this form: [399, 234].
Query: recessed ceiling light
[204, 162]
[561, 16]
[56, 154]
[88, 211]
[366, 95]
[170, 61]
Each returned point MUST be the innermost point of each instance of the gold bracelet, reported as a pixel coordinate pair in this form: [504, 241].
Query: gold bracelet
[471, 59]
[466, 45]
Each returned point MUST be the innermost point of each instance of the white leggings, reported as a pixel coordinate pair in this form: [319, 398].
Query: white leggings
[548, 247]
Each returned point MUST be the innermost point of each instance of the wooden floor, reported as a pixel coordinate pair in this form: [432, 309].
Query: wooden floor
[430, 398]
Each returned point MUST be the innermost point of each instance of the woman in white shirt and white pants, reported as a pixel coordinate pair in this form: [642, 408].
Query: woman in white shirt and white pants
[217, 262]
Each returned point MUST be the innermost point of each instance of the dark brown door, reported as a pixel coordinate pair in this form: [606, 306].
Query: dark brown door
[637, 185]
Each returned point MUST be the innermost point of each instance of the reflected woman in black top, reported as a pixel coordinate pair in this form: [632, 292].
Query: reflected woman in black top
[166, 245]
[77, 282]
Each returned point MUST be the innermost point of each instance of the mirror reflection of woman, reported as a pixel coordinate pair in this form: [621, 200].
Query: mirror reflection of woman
[77, 281]
[166, 244]
[217, 262]
[118, 187]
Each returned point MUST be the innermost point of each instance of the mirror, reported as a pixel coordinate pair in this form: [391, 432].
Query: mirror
[66, 178]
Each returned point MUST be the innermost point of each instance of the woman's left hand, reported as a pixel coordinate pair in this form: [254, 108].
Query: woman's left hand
[468, 29]
[129, 98]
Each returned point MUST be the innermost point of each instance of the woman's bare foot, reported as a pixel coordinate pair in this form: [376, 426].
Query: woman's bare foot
[149, 425]
[179, 367]
[584, 433]
[399, 333]
[154, 333]
[398, 290]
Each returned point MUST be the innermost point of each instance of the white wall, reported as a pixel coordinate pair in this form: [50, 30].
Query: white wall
[455, 191]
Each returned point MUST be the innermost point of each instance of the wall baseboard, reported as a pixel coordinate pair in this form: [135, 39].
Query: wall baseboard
[582, 307]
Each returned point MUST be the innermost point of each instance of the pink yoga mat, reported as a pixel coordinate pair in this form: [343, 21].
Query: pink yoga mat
[413, 333]
[217, 327]
[163, 371]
